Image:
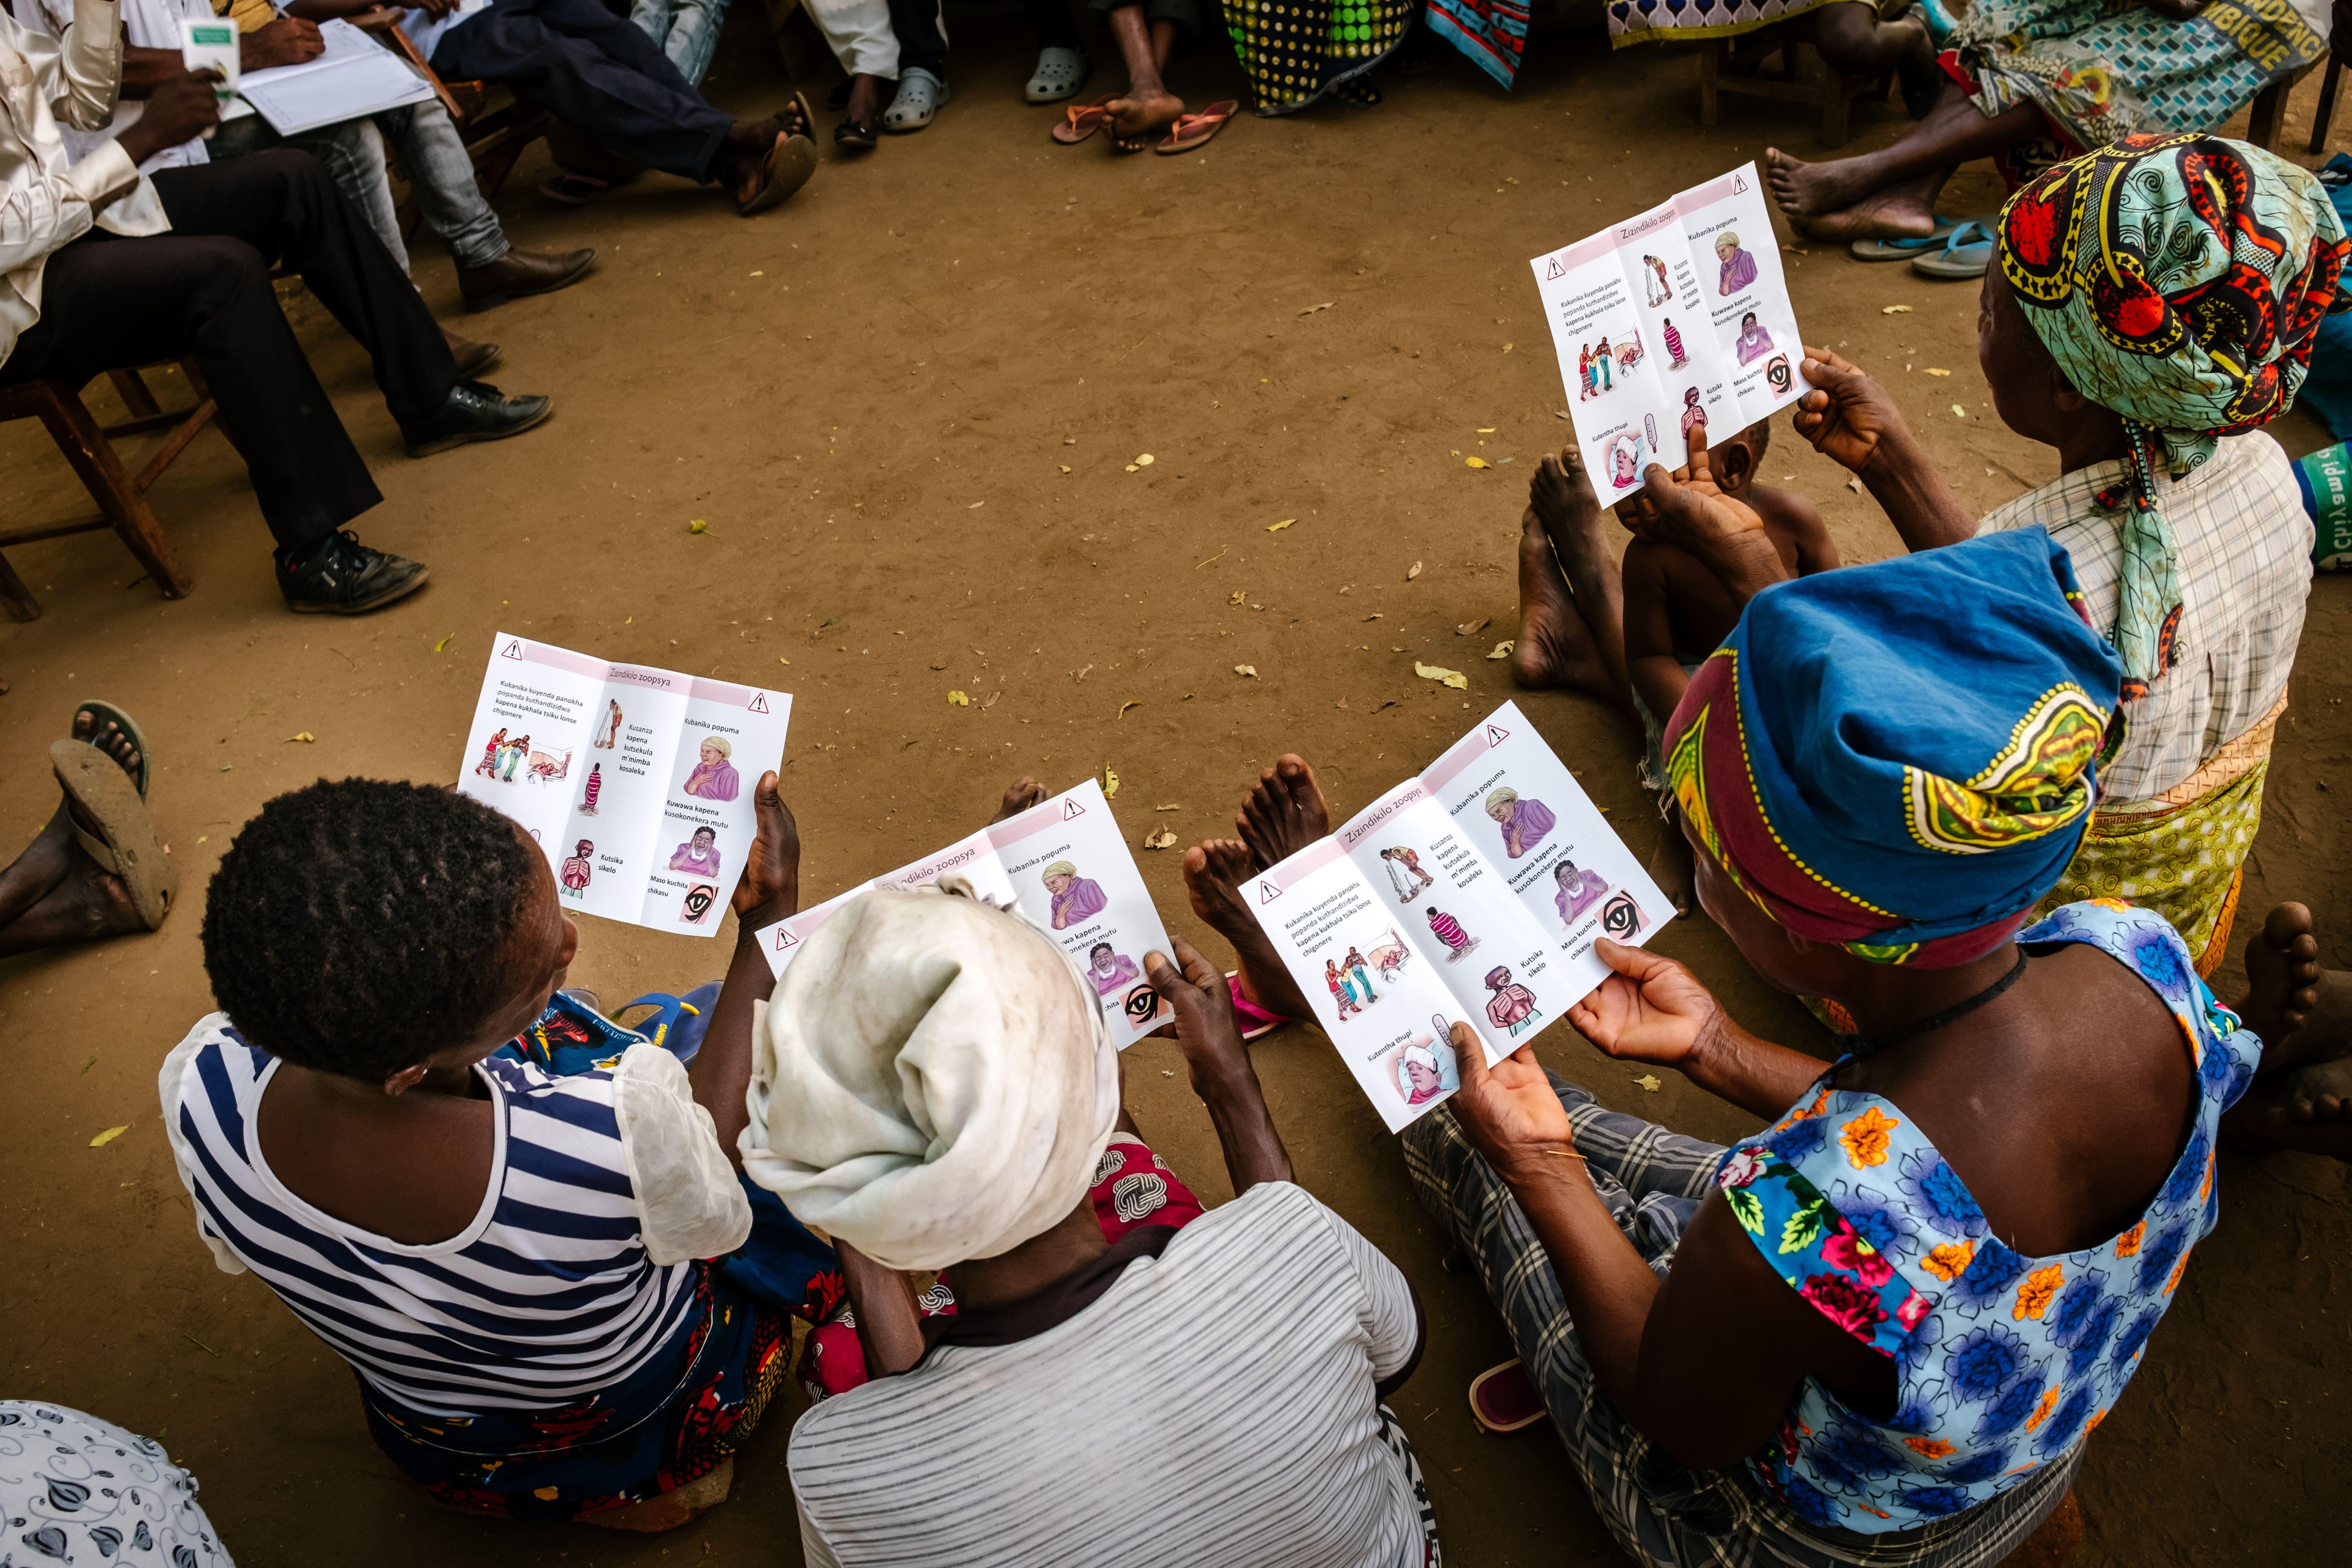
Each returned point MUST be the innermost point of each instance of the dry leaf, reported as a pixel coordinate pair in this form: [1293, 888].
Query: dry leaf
[1560, 412]
[1503, 649]
[1219, 555]
[1485, 429]
[1241, 595]
[304, 736]
[1894, 310]
[444, 642]
[1794, 249]
[1472, 628]
[1960, 411]
[1649, 1083]
[1476, 463]
[1063, 467]
[1110, 784]
[975, 506]
[1278, 527]
[1341, 703]
[1390, 703]
[1248, 669]
[1082, 674]
[1854, 484]
[109, 1136]
[1144, 461]
[1069, 440]
[782, 660]
[1506, 348]
[1394, 647]
[1933, 371]
[991, 699]
[1312, 308]
[1158, 841]
[1131, 467]
[1132, 702]
[698, 526]
[1373, 617]
[1178, 806]
[958, 700]
[1409, 576]
[1443, 676]
[761, 272]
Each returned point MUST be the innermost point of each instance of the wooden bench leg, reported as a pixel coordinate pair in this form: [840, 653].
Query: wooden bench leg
[1837, 107]
[2327, 109]
[15, 596]
[1710, 72]
[110, 485]
[2268, 114]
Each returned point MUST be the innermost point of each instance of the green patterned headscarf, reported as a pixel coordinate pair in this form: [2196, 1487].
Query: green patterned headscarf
[2179, 282]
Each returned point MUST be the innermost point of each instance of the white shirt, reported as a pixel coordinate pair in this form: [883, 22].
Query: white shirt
[47, 199]
[2242, 548]
[1213, 1408]
[150, 24]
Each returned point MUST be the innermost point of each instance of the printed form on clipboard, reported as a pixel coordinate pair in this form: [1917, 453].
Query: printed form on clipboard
[1471, 894]
[1675, 317]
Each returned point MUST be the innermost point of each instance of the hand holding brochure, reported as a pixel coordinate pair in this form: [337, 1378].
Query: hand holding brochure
[635, 783]
[1063, 864]
[1675, 317]
[1473, 893]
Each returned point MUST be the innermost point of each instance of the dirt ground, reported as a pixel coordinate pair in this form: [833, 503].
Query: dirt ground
[924, 377]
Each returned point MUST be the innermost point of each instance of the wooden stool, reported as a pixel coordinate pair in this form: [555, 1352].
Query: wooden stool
[1723, 69]
[121, 495]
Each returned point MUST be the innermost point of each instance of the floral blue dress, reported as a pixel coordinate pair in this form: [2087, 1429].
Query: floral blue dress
[2005, 1361]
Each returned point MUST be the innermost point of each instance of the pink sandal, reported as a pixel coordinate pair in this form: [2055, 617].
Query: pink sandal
[1503, 1399]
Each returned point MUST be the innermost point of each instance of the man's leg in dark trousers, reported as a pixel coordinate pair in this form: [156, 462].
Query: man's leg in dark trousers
[593, 70]
[108, 302]
[1050, 20]
[922, 39]
[285, 205]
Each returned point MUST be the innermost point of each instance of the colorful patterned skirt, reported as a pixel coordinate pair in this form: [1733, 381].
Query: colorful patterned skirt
[1297, 52]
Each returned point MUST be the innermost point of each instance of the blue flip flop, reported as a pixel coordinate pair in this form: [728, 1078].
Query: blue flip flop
[1965, 255]
[1903, 249]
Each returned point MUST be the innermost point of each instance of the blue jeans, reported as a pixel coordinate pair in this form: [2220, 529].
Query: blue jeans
[353, 153]
[685, 30]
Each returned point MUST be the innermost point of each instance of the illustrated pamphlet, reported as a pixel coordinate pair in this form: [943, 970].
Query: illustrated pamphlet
[635, 783]
[1061, 862]
[1677, 316]
[1473, 893]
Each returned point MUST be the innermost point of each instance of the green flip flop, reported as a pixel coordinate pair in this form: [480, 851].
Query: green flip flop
[100, 714]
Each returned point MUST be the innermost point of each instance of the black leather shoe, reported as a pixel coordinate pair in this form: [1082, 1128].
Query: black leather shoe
[476, 411]
[341, 576]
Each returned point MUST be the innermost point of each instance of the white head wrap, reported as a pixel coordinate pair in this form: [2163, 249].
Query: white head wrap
[932, 1082]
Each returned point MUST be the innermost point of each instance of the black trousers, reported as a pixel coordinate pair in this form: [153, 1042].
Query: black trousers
[202, 292]
[1049, 20]
[922, 41]
[593, 70]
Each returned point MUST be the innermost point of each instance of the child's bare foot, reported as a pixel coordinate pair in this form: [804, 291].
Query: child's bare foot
[85, 903]
[1670, 867]
[1285, 813]
[1213, 874]
[2282, 978]
[1019, 797]
[1139, 119]
[1555, 648]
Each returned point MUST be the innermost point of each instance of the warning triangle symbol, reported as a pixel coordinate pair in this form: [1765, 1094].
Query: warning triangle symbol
[513, 650]
[1267, 892]
[785, 938]
[1071, 808]
[1739, 184]
[759, 703]
[1557, 271]
[1497, 734]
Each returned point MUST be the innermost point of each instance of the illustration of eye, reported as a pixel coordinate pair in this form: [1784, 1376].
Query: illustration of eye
[1141, 1003]
[1620, 917]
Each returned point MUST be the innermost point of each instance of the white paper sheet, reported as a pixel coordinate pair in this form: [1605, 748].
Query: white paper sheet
[355, 76]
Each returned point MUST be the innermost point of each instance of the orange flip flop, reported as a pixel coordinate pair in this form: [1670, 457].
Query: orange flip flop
[1192, 131]
[1080, 120]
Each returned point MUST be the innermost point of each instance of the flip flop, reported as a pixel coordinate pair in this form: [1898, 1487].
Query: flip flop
[859, 135]
[788, 165]
[1502, 1400]
[1903, 249]
[1080, 120]
[575, 189]
[125, 843]
[100, 713]
[783, 117]
[1966, 251]
[1193, 130]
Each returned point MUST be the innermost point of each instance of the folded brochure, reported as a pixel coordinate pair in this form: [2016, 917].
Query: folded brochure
[635, 783]
[1063, 864]
[1473, 893]
[1676, 316]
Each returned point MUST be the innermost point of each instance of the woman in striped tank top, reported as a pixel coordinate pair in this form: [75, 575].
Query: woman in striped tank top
[522, 1226]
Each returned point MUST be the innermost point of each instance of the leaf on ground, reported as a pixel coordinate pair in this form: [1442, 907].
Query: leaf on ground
[1144, 461]
[1110, 784]
[1503, 649]
[1894, 310]
[443, 644]
[698, 526]
[1278, 527]
[1373, 617]
[1341, 703]
[302, 735]
[1415, 571]
[1219, 555]
[1248, 669]
[1390, 703]
[828, 621]
[1324, 306]
[1241, 596]
[109, 1136]
[1854, 484]
[1960, 411]
[1160, 841]
[1131, 467]
[1443, 676]
[1560, 412]
[1131, 702]
[1178, 806]
[1063, 467]
[1472, 628]
[958, 700]
[782, 660]
[991, 699]
[1794, 249]
[1485, 429]
[1476, 463]
[1933, 371]
[975, 506]
[1396, 647]
[1082, 674]
[1649, 1083]
[1507, 347]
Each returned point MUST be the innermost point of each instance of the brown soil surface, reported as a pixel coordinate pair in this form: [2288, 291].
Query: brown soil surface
[925, 377]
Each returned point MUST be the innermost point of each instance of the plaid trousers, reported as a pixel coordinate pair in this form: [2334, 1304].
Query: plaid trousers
[1663, 1514]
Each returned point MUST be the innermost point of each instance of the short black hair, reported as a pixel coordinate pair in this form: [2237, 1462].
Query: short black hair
[359, 927]
[1099, 947]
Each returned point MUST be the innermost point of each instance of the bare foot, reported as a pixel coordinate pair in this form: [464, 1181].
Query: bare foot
[1140, 119]
[107, 738]
[2281, 979]
[1670, 867]
[1803, 190]
[1019, 797]
[1555, 648]
[1284, 814]
[1214, 873]
[1885, 215]
[43, 865]
[2308, 1108]
[86, 903]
